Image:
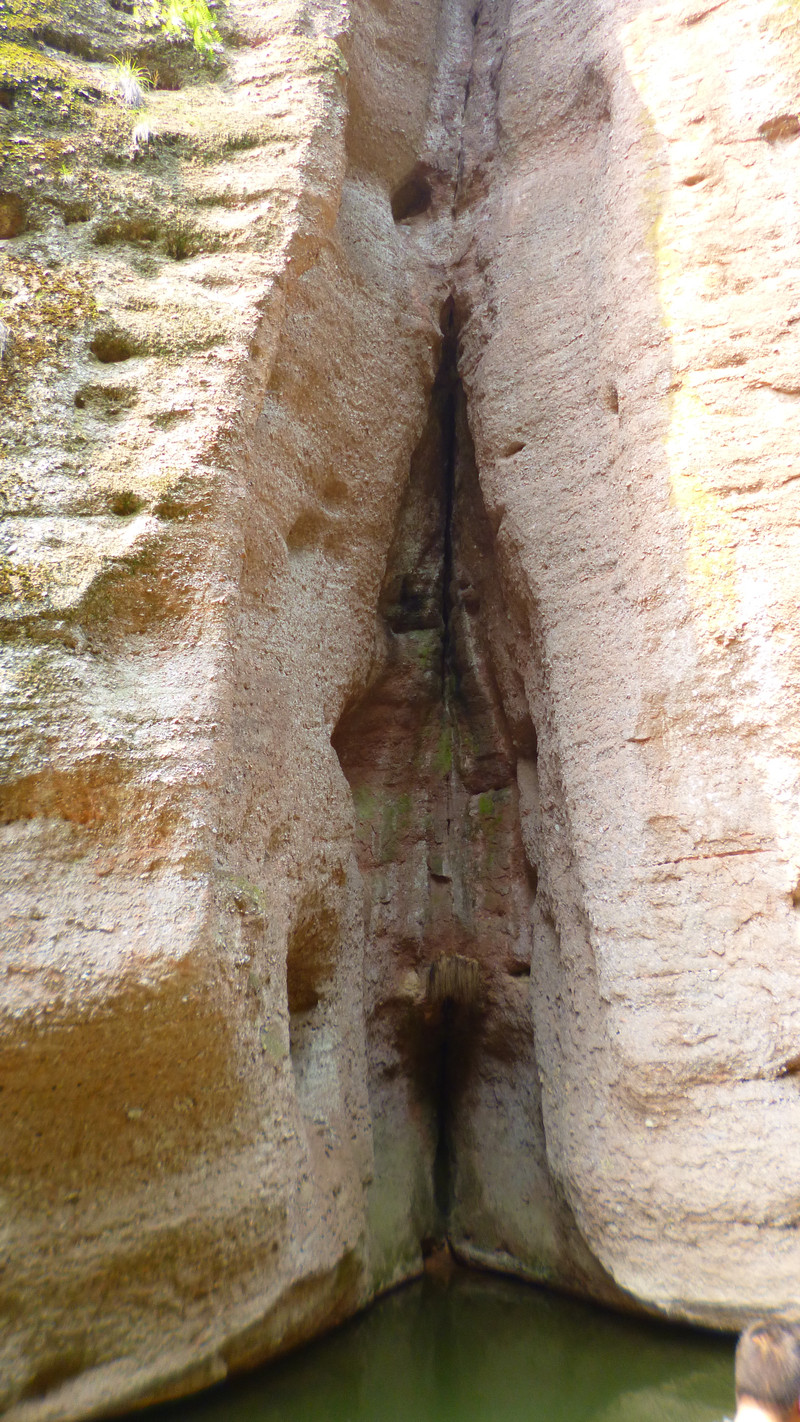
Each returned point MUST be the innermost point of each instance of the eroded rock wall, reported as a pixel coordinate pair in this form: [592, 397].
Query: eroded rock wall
[440, 753]
[203, 463]
[398, 572]
[627, 359]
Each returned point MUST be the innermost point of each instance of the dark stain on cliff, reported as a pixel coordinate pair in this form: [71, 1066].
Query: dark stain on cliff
[430, 751]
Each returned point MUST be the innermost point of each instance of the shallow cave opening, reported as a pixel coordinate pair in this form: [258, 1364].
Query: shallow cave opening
[311, 962]
[430, 751]
[413, 196]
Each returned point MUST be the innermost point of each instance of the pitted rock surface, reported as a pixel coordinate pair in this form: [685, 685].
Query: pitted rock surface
[398, 570]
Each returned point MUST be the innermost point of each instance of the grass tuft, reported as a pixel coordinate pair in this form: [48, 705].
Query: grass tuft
[130, 82]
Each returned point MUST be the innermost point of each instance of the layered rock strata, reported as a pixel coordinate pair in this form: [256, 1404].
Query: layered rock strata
[399, 769]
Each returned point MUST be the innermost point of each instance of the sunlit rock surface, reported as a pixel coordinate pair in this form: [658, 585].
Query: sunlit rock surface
[398, 564]
[630, 360]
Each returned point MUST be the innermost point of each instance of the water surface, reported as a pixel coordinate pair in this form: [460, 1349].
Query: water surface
[483, 1349]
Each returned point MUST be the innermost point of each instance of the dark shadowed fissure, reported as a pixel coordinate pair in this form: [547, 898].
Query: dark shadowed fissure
[449, 1007]
[430, 751]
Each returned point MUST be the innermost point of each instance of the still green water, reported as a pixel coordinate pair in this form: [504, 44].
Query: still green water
[481, 1349]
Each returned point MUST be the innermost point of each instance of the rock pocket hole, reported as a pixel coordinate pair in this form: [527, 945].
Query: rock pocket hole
[171, 508]
[13, 213]
[180, 244]
[413, 196]
[519, 970]
[104, 401]
[532, 876]
[310, 964]
[611, 398]
[75, 212]
[515, 446]
[130, 229]
[125, 503]
[110, 348]
[166, 78]
[7, 98]
[306, 532]
[778, 129]
[310, 956]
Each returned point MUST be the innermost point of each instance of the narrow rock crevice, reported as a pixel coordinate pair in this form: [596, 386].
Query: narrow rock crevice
[430, 751]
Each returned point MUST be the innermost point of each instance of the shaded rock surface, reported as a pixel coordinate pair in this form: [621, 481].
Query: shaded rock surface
[397, 576]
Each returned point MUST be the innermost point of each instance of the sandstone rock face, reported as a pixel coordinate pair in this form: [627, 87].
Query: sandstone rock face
[399, 776]
[629, 392]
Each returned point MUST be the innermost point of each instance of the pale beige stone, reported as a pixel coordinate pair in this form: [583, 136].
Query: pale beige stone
[631, 326]
[560, 682]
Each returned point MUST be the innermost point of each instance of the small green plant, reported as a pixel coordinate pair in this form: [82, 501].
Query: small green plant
[130, 82]
[182, 17]
[180, 243]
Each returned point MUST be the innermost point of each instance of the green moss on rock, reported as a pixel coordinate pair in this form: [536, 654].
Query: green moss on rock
[19, 63]
[42, 308]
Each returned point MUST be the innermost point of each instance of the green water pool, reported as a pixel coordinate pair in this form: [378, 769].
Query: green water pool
[483, 1349]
